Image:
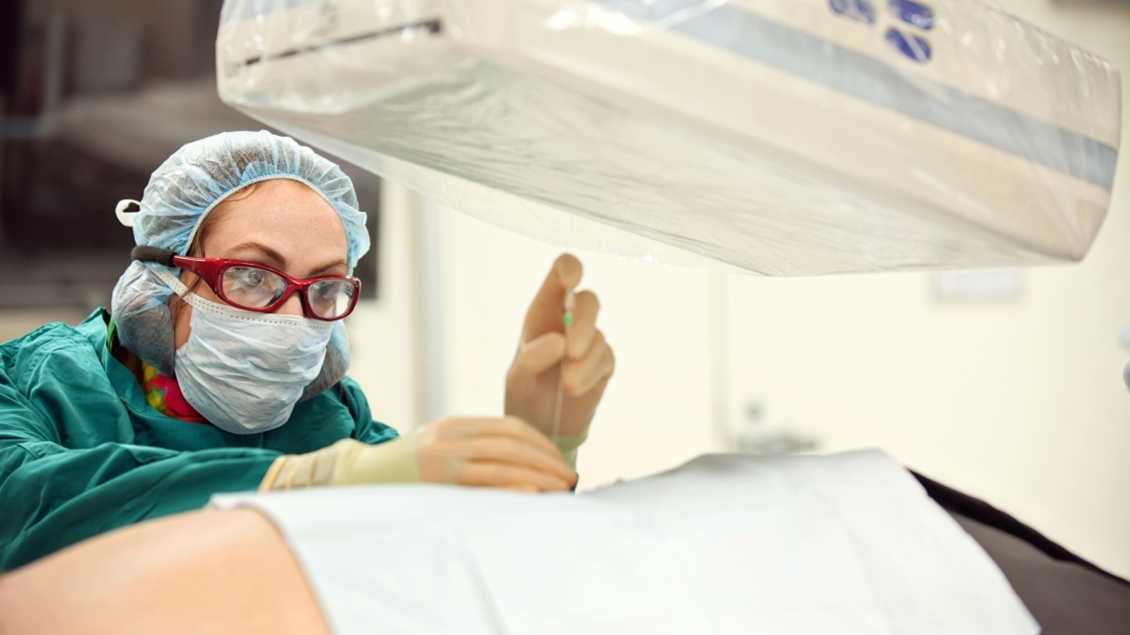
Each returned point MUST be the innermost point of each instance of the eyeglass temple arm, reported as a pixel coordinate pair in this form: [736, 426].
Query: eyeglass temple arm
[144, 253]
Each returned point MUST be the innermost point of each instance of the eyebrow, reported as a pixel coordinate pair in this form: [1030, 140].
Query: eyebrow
[340, 262]
[277, 260]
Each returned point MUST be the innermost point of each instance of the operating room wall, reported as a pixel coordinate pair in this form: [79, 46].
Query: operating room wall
[1017, 401]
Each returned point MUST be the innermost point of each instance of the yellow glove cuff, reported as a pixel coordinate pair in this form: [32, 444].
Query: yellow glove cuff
[390, 462]
[347, 462]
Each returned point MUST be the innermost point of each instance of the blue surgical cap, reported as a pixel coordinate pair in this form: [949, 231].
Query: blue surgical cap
[180, 193]
[199, 176]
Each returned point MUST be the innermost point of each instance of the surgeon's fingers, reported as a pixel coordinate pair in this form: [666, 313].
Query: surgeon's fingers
[545, 311]
[517, 453]
[579, 336]
[490, 474]
[538, 356]
[455, 428]
[446, 447]
[583, 375]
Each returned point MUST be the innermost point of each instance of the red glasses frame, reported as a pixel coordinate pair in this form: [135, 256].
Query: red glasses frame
[211, 271]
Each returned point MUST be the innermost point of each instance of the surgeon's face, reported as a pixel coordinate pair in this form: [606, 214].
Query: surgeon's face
[281, 223]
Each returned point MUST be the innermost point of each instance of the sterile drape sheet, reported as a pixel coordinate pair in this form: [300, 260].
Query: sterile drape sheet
[783, 137]
[847, 544]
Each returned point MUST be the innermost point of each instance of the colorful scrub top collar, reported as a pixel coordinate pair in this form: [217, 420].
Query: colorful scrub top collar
[163, 393]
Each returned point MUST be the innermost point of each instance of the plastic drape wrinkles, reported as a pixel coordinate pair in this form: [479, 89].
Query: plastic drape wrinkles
[188, 186]
[783, 137]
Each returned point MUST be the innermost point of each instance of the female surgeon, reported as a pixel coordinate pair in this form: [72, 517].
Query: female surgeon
[221, 365]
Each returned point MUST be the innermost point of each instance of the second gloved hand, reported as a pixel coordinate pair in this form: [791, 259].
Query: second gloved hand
[486, 452]
[533, 381]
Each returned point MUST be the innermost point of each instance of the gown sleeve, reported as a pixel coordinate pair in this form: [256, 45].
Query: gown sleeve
[52, 496]
[72, 467]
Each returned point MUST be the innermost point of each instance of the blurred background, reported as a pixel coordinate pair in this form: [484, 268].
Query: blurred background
[95, 94]
[1006, 384]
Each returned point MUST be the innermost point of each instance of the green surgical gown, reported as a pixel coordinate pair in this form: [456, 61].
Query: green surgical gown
[82, 452]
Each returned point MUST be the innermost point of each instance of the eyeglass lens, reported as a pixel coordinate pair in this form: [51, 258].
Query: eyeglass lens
[256, 288]
[330, 298]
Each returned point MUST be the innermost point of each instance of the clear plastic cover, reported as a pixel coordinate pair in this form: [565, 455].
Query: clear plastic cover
[783, 137]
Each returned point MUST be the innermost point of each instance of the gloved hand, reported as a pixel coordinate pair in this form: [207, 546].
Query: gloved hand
[531, 383]
[486, 452]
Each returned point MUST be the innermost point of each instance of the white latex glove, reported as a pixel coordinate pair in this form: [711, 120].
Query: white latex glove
[491, 452]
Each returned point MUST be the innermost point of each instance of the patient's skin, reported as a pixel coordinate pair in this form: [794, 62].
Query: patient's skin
[201, 572]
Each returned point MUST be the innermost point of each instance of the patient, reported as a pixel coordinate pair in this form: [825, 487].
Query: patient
[232, 572]
[198, 572]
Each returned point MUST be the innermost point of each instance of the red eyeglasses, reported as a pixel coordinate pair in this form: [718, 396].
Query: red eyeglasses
[256, 287]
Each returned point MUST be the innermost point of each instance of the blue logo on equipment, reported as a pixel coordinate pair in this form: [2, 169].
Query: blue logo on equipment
[914, 14]
[911, 46]
[859, 10]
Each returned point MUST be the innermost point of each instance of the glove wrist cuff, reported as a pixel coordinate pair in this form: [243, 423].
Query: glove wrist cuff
[568, 447]
[389, 462]
[347, 462]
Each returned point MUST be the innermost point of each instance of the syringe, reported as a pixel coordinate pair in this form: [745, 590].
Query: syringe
[567, 320]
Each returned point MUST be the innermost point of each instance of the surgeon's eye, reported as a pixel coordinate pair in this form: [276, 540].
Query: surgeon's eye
[252, 287]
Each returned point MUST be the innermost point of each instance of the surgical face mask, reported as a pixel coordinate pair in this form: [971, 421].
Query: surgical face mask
[242, 370]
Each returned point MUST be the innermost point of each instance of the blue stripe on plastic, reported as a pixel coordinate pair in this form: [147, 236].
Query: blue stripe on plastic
[850, 72]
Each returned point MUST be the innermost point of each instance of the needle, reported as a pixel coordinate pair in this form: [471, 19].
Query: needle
[567, 320]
